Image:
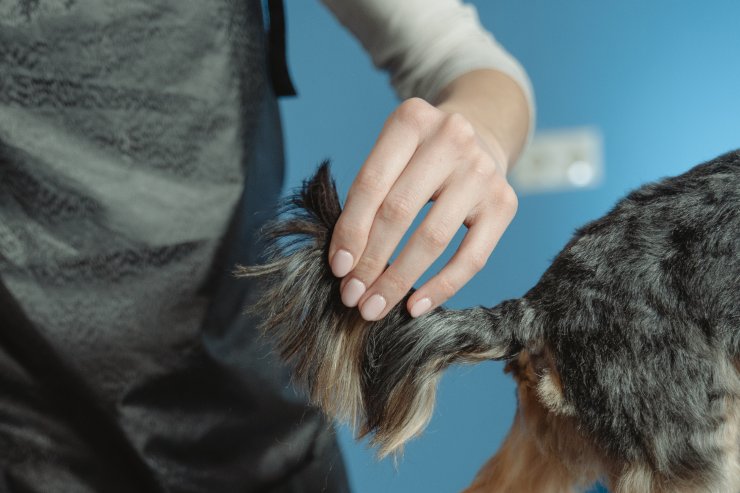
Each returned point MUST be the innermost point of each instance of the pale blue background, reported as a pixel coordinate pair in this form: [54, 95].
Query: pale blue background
[661, 79]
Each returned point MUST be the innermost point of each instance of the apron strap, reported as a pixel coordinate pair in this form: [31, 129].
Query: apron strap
[281, 82]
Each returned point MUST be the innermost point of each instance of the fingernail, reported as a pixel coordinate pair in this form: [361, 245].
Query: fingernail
[341, 263]
[372, 307]
[352, 292]
[420, 307]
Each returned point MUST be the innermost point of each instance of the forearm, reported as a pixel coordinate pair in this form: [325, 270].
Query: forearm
[438, 49]
[495, 105]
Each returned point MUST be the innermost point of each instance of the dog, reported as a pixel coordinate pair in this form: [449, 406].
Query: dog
[626, 353]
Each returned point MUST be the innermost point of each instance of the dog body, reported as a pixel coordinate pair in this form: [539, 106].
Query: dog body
[626, 353]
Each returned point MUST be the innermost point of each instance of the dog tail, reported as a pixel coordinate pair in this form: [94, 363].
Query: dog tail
[378, 376]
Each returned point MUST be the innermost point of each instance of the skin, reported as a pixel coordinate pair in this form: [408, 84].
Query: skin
[455, 152]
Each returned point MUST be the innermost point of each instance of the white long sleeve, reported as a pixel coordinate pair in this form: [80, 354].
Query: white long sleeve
[426, 44]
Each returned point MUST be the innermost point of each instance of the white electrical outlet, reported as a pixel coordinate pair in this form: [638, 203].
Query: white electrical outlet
[560, 159]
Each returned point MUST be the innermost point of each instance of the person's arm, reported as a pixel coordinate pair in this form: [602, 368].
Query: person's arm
[425, 45]
[452, 141]
[496, 106]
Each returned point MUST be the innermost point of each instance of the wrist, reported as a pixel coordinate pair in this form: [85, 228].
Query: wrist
[487, 138]
[496, 106]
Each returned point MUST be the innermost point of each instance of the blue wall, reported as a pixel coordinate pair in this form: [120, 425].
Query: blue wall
[662, 81]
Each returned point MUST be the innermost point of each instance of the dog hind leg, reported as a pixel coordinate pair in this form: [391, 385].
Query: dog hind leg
[543, 453]
[520, 465]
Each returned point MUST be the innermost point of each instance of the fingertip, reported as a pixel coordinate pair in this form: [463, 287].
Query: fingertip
[373, 307]
[352, 292]
[420, 307]
[341, 263]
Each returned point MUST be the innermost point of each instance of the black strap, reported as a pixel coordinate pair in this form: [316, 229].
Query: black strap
[276, 50]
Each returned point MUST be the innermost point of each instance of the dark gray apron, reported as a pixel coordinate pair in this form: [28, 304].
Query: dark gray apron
[140, 150]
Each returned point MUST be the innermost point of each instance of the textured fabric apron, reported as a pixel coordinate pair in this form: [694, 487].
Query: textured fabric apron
[140, 150]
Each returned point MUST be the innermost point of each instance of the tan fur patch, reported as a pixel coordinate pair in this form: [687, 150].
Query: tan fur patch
[421, 408]
[337, 388]
[550, 393]
[543, 452]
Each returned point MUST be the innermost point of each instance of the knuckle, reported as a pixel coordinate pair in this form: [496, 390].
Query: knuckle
[396, 209]
[458, 128]
[481, 169]
[370, 182]
[435, 237]
[396, 283]
[508, 199]
[414, 106]
[413, 111]
[370, 263]
[477, 261]
[348, 230]
[446, 287]
[368, 269]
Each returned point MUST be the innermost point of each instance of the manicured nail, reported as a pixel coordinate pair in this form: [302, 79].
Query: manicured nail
[352, 292]
[420, 307]
[341, 263]
[372, 307]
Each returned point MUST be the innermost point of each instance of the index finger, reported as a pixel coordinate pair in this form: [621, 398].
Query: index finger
[397, 143]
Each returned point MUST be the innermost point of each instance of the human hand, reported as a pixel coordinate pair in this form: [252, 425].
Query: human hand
[423, 153]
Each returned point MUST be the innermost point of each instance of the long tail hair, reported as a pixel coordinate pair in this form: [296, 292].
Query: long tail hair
[381, 376]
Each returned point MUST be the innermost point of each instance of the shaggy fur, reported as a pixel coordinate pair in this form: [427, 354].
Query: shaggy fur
[626, 352]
